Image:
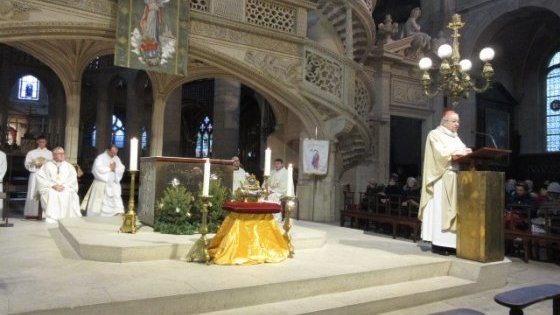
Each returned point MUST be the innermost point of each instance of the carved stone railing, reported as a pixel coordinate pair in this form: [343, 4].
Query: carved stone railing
[288, 17]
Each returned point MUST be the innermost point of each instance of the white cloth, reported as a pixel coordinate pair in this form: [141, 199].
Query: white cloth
[3, 168]
[31, 208]
[432, 230]
[278, 183]
[239, 176]
[58, 204]
[104, 195]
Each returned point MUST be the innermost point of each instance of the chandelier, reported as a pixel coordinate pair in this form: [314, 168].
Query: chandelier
[454, 72]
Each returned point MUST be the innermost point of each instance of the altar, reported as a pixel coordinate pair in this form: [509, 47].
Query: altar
[249, 235]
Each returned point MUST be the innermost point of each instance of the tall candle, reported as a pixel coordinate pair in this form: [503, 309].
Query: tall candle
[290, 183]
[206, 180]
[267, 156]
[134, 154]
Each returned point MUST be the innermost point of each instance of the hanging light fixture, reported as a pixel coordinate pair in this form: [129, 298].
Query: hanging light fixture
[454, 72]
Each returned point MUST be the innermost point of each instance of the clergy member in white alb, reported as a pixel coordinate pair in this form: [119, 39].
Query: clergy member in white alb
[33, 162]
[239, 174]
[3, 168]
[104, 195]
[278, 183]
[57, 183]
[438, 203]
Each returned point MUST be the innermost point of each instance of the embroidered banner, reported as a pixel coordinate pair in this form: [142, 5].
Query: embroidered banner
[152, 35]
[315, 156]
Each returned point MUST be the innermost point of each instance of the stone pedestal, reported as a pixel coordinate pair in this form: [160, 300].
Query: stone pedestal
[156, 174]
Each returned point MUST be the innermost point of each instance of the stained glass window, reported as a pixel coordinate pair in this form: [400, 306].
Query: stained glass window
[28, 88]
[143, 138]
[553, 105]
[204, 139]
[117, 136]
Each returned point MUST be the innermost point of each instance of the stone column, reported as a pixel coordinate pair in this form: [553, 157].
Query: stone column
[226, 118]
[172, 139]
[134, 104]
[5, 78]
[349, 41]
[72, 130]
[103, 117]
[156, 138]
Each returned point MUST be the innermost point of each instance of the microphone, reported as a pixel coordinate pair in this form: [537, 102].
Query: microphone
[489, 136]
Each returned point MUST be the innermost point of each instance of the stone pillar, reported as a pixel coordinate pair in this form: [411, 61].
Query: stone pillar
[156, 138]
[5, 78]
[172, 139]
[349, 41]
[226, 118]
[103, 117]
[134, 103]
[72, 130]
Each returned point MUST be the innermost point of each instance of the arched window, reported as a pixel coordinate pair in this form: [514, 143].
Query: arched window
[143, 138]
[117, 136]
[28, 88]
[553, 105]
[204, 139]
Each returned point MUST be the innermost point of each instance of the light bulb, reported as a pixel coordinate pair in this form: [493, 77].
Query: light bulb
[444, 51]
[486, 54]
[425, 63]
[465, 64]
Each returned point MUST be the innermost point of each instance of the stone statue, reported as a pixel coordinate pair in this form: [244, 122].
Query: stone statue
[387, 29]
[440, 40]
[421, 42]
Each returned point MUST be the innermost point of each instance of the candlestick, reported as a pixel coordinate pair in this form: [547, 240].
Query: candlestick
[267, 157]
[134, 154]
[290, 183]
[206, 181]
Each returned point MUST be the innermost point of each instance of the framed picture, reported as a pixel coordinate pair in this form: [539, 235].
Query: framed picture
[315, 156]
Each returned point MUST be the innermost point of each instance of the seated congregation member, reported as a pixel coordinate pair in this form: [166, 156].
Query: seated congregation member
[58, 186]
[521, 196]
[411, 193]
[104, 195]
[372, 189]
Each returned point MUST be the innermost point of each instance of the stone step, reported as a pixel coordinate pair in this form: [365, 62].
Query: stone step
[371, 300]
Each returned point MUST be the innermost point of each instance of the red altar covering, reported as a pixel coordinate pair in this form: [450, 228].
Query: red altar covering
[249, 235]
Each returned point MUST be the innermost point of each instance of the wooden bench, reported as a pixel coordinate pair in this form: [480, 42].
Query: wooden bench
[459, 311]
[528, 238]
[385, 214]
[520, 298]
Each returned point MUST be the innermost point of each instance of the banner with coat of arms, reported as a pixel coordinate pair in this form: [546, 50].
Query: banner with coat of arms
[152, 35]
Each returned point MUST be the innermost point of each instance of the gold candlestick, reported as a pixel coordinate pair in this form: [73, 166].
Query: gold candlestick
[288, 202]
[266, 188]
[129, 218]
[199, 251]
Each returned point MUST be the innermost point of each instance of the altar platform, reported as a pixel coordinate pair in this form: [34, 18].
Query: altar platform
[48, 269]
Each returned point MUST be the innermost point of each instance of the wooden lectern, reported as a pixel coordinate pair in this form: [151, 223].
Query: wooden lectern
[480, 204]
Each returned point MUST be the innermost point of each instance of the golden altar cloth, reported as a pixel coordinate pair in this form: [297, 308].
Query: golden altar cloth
[248, 239]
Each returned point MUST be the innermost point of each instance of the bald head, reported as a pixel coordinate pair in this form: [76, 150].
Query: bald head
[450, 120]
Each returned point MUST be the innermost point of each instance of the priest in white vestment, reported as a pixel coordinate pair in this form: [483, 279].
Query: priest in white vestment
[57, 183]
[239, 174]
[104, 195]
[438, 211]
[3, 168]
[33, 162]
[278, 184]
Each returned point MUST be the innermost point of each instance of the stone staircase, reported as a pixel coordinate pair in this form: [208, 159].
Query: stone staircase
[363, 37]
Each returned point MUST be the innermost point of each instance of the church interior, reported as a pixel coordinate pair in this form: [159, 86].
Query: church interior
[274, 74]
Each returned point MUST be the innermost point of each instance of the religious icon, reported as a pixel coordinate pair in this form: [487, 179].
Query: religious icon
[315, 156]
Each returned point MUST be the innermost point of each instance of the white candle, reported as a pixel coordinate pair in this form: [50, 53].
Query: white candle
[206, 180]
[133, 154]
[267, 156]
[290, 183]
[315, 132]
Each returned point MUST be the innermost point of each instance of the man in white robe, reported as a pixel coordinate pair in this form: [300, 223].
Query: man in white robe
[438, 211]
[278, 184]
[3, 168]
[104, 195]
[239, 174]
[33, 162]
[57, 183]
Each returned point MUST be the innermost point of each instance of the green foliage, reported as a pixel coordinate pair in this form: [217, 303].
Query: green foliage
[178, 212]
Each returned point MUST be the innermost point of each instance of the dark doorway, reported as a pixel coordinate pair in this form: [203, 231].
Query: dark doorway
[406, 142]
